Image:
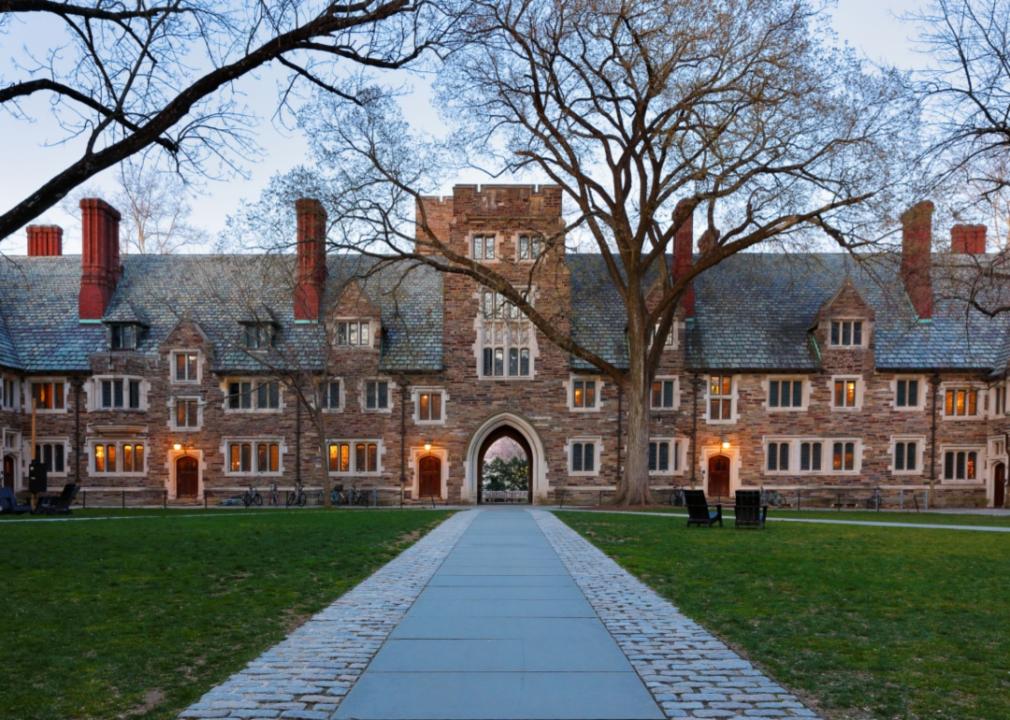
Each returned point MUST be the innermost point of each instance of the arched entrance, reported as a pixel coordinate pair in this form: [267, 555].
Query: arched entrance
[8, 478]
[718, 476]
[429, 477]
[187, 477]
[512, 467]
[519, 430]
[999, 485]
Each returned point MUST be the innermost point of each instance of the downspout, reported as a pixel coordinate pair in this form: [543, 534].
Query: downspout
[695, 381]
[934, 381]
[76, 383]
[403, 437]
[620, 433]
[298, 443]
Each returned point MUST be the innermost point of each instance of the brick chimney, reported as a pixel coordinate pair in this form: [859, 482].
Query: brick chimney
[99, 257]
[968, 239]
[683, 250]
[311, 258]
[45, 241]
[438, 213]
[916, 258]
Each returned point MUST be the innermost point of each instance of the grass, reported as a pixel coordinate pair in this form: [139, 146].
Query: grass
[119, 619]
[868, 622]
[932, 518]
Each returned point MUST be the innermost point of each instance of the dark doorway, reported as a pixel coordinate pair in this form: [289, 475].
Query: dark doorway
[999, 485]
[505, 467]
[8, 472]
[429, 477]
[718, 476]
[187, 477]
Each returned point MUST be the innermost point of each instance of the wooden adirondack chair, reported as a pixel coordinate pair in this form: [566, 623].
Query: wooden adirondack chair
[698, 510]
[750, 513]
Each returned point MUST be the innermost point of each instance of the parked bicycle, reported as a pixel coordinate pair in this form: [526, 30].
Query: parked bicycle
[252, 497]
[275, 497]
[297, 496]
[337, 496]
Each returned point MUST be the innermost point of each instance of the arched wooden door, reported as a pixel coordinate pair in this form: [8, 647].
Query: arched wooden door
[8, 472]
[187, 477]
[718, 476]
[429, 477]
[999, 485]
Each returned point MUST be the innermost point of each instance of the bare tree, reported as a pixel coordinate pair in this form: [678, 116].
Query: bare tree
[644, 113]
[126, 76]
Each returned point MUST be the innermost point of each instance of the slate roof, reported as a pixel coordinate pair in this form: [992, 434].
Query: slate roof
[39, 298]
[753, 312]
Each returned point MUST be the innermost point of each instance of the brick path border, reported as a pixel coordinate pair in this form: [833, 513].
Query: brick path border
[305, 676]
[690, 672]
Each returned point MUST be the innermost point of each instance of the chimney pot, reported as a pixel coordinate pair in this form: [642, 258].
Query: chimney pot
[968, 239]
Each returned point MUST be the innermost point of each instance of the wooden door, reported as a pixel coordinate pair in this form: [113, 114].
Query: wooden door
[429, 477]
[999, 488]
[187, 477]
[8, 472]
[718, 476]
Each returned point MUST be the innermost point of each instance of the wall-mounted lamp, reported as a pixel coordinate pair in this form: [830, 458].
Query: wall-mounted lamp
[725, 443]
[427, 447]
[177, 447]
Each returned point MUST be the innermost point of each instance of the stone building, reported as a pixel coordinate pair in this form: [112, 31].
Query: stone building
[193, 376]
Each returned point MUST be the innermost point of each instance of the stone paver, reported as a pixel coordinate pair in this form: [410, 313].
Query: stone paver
[306, 676]
[690, 672]
[501, 631]
[499, 613]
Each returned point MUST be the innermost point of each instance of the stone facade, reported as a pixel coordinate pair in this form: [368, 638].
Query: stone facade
[535, 406]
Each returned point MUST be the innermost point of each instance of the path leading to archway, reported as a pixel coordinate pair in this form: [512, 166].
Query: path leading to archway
[499, 613]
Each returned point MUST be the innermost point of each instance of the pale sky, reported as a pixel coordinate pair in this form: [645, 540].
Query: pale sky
[873, 27]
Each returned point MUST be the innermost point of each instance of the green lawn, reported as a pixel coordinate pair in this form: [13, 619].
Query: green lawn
[870, 622]
[138, 618]
[932, 518]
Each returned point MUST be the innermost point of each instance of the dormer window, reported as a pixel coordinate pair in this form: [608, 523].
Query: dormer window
[356, 333]
[672, 338]
[482, 247]
[258, 336]
[846, 333]
[124, 336]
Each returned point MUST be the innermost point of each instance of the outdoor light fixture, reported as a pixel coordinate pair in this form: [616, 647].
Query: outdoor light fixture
[177, 447]
[725, 443]
[427, 447]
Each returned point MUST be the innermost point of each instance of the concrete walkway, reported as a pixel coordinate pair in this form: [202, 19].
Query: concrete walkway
[501, 631]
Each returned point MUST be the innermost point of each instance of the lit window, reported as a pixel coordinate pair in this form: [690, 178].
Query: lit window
[429, 406]
[846, 393]
[353, 456]
[187, 412]
[584, 394]
[785, 393]
[254, 457]
[583, 457]
[48, 395]
[118, 458]
[847, 333]
[720, 397]
[843, 456]
[960, 402]
[664, 394]
[960, 465]
[185, 368]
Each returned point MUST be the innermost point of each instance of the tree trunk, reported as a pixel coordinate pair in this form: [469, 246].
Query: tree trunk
[327, 482]
[635, 487]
